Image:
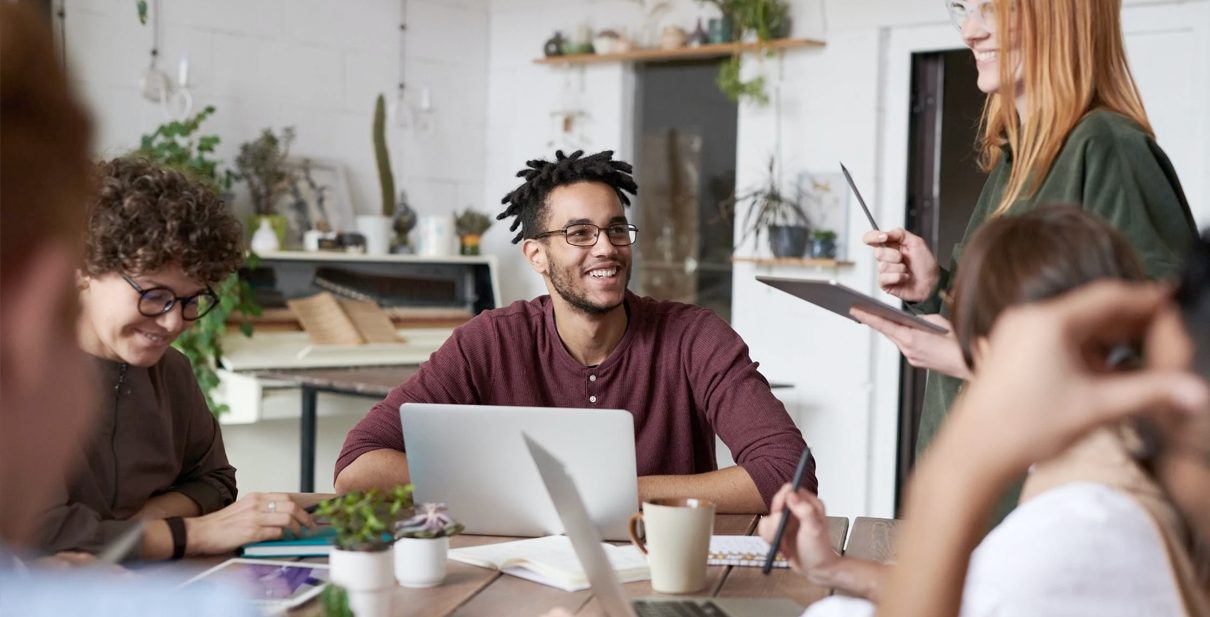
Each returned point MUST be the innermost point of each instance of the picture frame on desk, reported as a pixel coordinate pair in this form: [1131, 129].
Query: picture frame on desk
[319, 190]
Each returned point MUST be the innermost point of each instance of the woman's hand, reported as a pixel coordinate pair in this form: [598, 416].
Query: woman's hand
[907, 268]
[922, 348]
[256, 517]
[806, 543]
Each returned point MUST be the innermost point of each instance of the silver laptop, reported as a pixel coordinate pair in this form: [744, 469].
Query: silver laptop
[586, 541]
[472, 458]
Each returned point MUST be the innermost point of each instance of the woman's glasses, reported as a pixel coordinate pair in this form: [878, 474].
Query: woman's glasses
[156, 301]
[982, 10]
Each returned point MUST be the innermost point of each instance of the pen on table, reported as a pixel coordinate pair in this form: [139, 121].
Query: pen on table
[785, 514]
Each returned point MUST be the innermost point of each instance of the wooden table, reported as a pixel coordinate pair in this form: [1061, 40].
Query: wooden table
[371, 381]
[470, 591]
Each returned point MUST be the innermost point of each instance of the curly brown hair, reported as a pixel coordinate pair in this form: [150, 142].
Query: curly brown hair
[146, 217]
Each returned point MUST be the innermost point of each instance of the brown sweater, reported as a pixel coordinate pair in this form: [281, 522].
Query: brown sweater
[153, 434]
[680, 370]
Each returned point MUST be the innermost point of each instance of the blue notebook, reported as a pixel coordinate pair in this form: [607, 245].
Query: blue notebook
[316, 544]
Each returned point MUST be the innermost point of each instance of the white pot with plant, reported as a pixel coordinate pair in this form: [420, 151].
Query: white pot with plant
[361, 560]
[422, 545]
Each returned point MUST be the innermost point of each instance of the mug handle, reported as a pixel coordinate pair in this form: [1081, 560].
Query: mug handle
[635, 519]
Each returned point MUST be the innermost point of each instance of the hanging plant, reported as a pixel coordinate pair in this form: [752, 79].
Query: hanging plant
[767, 19]
[730, 83]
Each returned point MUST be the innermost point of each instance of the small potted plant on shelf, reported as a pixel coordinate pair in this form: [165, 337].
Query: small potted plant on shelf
[823, 244]
[262, 164]
[361, 560]
[771, 211]
[422, 545]
[469, 226]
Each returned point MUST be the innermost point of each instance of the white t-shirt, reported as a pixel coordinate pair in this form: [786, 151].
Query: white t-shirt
[1079, 550]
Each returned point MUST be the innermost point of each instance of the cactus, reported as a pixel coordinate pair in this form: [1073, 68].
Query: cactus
[386, 178]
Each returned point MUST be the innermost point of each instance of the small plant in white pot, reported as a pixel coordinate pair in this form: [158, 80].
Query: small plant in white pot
[361, 560]
[422, 546]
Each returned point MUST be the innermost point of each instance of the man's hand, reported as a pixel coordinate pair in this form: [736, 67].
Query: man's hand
[907, 268]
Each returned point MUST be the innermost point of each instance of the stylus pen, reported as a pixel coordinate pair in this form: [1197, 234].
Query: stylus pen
[785, 514]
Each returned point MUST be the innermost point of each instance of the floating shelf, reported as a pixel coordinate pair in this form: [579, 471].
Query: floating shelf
[793, 262]
[681, 53]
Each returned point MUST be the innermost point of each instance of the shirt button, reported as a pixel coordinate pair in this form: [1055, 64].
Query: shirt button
[592, 399]
[592, 378]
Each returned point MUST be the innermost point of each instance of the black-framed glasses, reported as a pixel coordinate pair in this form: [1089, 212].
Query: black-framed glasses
[159, 300]
[586, 234]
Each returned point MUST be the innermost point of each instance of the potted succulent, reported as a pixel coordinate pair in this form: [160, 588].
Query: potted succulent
[361, 560]
[422, 545]
[776, 214]
[262, 164]
[469, 226]
[378, 228]
[823, 244]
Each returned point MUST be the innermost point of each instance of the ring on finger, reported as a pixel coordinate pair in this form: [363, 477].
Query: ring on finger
[271, 507]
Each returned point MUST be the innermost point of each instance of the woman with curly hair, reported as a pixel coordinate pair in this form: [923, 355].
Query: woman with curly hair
[155, 243]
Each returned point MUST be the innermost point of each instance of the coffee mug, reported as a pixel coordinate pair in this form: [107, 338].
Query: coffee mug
[677, 539]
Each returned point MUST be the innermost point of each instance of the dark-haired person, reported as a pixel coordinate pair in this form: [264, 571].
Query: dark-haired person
[681, 371]
[155, 242]
[1105, 528]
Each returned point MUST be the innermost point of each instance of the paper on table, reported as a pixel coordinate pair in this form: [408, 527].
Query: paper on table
[552, 561]
[741, 551]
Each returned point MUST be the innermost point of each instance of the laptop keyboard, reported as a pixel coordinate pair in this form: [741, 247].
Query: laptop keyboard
[677, 609]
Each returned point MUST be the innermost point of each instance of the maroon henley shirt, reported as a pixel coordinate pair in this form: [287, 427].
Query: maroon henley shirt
[680, 370]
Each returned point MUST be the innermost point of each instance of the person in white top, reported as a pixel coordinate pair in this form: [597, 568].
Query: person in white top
[1042, 385]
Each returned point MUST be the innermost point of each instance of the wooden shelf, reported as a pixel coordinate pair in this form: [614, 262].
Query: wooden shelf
[793, 262]
[682, 53]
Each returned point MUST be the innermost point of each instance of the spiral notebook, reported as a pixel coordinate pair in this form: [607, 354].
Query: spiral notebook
[741, 551]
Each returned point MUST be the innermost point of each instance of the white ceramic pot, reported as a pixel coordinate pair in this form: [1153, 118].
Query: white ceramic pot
[371, 603]
[362, 570]
[377, 230]
[265, 239]
[437, 235]
[420, 562]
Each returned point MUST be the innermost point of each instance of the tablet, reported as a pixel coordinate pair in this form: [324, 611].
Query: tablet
[839, 299]
[272, 586]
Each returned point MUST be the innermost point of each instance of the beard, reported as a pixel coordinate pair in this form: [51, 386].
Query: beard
[567, 283]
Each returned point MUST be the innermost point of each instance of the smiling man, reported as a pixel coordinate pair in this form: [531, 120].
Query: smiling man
[681, 371]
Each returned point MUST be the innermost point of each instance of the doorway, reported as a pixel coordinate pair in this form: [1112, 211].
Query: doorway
[943, 184]
[685, 137]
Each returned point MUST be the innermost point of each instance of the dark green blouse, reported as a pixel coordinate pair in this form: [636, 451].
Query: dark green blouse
[1111, 167]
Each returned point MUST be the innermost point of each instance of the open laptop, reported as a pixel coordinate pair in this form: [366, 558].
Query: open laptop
[586, 541]
[472, 458]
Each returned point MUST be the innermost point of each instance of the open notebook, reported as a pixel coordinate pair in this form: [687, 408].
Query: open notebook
[552, 561]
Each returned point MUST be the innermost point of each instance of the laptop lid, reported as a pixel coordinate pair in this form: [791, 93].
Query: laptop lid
[473, 459]
[585, 538]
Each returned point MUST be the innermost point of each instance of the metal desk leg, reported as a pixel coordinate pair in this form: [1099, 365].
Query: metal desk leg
[307, 438]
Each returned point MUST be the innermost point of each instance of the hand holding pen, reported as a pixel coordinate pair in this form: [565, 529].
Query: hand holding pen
[776, 540]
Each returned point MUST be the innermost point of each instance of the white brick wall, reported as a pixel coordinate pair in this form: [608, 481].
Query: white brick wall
[313, 64]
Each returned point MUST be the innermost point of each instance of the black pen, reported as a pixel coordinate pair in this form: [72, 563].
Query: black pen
[785, 513]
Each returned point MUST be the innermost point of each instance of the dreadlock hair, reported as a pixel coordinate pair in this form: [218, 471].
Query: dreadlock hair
[528, 201]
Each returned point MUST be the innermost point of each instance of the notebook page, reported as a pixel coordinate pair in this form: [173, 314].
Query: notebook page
[741, 551]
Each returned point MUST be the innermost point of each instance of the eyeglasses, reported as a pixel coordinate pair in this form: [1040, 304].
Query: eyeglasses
[159, 300]
[586, 234]
[982, 10]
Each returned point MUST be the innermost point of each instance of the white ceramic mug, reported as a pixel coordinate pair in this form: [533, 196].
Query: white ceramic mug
[677, 540]
[436, 235]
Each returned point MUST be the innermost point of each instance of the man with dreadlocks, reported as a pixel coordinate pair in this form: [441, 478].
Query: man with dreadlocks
[681, 371]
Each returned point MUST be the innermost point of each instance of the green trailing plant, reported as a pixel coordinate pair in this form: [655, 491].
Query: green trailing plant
[262, 165]
[431, 520]
[366, 520]
[386, 178]
[175, 145]
[471, 223]
[766, 206]
[767, 19]
[141, 7]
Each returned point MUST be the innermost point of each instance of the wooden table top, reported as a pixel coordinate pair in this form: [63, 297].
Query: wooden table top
[365, 380]
[472, 591]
